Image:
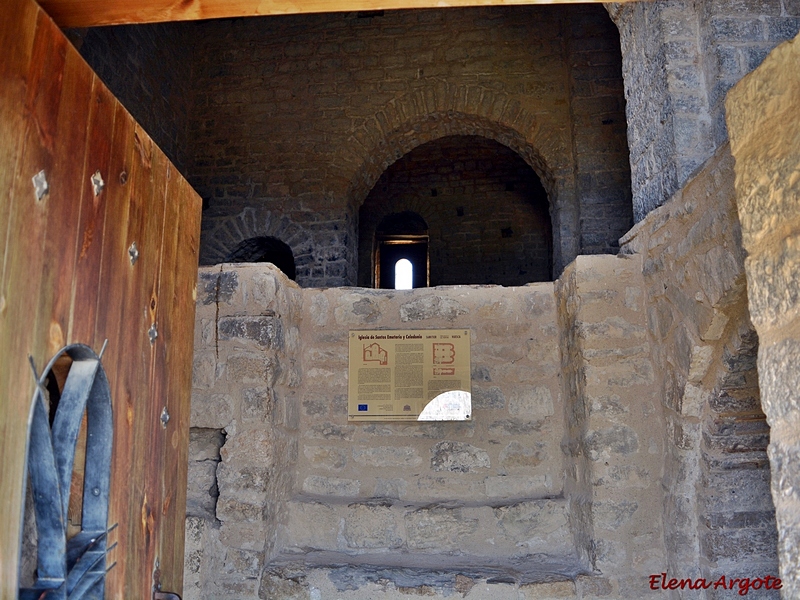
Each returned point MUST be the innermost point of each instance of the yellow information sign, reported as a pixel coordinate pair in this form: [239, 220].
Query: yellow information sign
[410, 375]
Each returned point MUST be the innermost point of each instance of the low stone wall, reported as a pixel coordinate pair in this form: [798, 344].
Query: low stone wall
[549, 491]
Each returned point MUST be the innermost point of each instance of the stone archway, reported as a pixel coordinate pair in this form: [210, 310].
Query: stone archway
[487, 212]
[445, 110]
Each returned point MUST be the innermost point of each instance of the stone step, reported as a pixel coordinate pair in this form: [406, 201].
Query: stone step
[527, 540]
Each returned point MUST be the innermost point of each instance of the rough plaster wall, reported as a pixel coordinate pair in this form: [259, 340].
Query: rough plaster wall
[765, 140]
[311, 506]
[299, 116]
[718, 516]
[468, 190]
[147, 67]
[679, 59]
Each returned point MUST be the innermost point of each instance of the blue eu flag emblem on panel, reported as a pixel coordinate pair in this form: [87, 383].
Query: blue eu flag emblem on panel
[362, 407]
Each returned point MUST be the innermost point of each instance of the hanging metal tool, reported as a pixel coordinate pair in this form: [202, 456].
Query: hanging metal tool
[72, 569]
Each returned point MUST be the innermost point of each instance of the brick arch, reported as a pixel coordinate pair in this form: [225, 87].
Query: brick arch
[439, 111]
[222, 235]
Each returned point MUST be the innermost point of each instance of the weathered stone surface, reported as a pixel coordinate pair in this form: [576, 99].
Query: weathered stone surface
[618, 440]
[458, 457]
[535, 524]
[488, 398]
[516, 486]
[326, 457]
[331, 486]
[612, 515]
[387, 456]
[548, 591]
[201, 493]
[372, 526]
[249, 368]
[516, 455]
[531, 404]
[438, 528]
[431, 307]
[265, 331]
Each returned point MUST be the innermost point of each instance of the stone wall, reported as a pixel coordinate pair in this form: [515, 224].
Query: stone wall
[555, 479]
[298, 117]
[680, 57]
[245, 427]
[717, 513]
[148, 68]
[765, 140]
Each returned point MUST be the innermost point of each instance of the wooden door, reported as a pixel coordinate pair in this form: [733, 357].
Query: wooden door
[68, 275]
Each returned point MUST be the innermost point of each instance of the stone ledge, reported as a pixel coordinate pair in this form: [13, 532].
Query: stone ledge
[410, 570]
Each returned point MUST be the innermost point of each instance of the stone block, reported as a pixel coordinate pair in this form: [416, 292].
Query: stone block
[548, 591]
[386, 456]
[257, 403]
[611, 516]
[312, 526]
[537, 525]
[201, 493]
[431, 307]
[438, 528]
[251, 448]
[372, 526]
[779, 379]
[519, 486]
[214, 411]
[515, 455]
[458, 457]
[264, 330]
[326, 457]
[244, 368]
[488, 398]
[204, 371]
[331, 486]
[278, 584]
[619, 439]
[531, 404]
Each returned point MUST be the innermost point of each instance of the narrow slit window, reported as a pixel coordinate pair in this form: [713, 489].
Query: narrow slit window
[403, 274]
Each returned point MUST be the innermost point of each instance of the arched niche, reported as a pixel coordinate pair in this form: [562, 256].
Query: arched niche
[264, 249]
[486, 211]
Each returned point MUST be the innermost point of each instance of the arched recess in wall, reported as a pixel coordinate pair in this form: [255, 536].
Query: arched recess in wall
[264, 249]
[486, 214]
[468, 111]
[228, 239]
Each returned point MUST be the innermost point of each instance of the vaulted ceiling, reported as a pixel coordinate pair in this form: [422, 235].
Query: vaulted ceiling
[90, 13]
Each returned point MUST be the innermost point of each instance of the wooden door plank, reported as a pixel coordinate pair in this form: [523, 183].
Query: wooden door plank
[21, 329]
[111, 323]
[133, 503]
[17, 30]
[91, 13]
[64, 201]
[85, 286]
[148, 458]
[177, 293]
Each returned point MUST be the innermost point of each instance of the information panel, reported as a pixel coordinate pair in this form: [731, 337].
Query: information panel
[410, 375]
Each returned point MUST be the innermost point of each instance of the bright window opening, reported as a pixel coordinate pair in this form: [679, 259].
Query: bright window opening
[403, 274]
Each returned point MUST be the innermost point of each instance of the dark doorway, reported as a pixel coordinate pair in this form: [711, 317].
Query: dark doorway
[265, 249]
